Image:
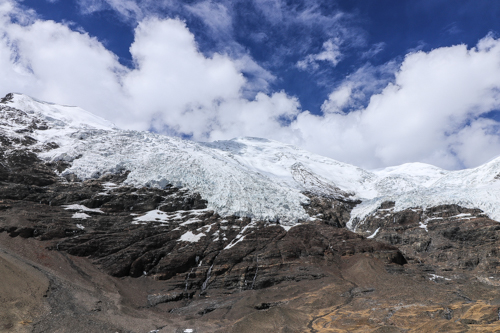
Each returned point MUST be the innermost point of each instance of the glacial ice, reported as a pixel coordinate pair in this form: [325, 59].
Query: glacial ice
[250, 177]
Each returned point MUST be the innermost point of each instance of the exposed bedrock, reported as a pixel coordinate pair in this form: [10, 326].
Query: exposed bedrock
[197, 249]
[333, 211]
[448, 238]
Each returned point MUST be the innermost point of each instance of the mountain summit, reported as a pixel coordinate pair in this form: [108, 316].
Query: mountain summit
[104, 229]
[248, 177]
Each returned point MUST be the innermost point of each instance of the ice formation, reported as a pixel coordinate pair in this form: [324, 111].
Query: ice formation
[250, 177]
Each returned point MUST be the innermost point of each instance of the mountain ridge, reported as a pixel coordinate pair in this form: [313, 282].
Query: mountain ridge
[251, 177]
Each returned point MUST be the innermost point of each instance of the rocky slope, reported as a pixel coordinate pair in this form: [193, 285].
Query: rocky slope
[133, 232]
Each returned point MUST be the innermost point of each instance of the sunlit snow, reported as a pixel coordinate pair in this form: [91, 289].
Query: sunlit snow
[374, 234]
[249, 177]
[82, 208]
[82, 216]
[190, 237]
[154, 216]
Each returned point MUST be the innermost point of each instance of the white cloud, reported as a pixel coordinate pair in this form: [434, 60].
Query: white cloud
[330, 53]
[294, 28]
[176, 83]
[218, 18]
[273, 10]
[373, 51]
[215, 15]
[430, 111]
[475, 142]
[49, 60]
[91, 6]
[307, 15]
[265, 116]
[129, 9]
[172, 85]
[355, 90]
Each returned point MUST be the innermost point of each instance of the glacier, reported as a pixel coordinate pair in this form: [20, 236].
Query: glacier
[247, 177]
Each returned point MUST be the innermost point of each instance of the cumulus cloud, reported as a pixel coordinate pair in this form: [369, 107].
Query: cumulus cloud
[218, 18]
[180, 86]
[429, 108]
[285, 31]
[430, 113]
[172, 87]
[52, 62]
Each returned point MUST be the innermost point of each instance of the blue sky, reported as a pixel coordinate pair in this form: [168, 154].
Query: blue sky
[373, 83]
[389, 29]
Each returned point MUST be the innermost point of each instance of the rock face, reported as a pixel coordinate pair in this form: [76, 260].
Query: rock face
[335, 212]
[448, 238]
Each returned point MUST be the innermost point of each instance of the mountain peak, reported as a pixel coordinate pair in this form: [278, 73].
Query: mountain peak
[58, 115]
[246, 176]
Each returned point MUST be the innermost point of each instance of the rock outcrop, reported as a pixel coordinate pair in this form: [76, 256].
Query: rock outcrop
[448, 239]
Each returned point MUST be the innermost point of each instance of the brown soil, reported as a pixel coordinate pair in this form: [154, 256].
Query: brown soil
[22, 293]
[50, 291]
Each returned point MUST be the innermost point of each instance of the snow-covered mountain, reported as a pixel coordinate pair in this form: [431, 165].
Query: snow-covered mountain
[251, 177]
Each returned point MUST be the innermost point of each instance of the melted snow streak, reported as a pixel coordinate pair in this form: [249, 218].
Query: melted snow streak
[249, 177]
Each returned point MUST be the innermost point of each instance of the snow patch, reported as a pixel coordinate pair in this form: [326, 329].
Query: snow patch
[206, 228]
[374, 234]
[190, 237]
[153, 216]
[82, 216]
[287, 227]
[235, 241]
[190, 221]
[240, 236]
[434, 277]
[423, 226]
[82, 208]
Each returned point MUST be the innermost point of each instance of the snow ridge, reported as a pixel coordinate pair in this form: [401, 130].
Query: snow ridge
[249, 177]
